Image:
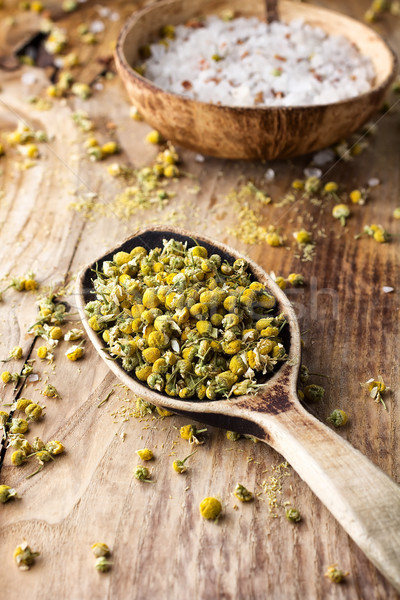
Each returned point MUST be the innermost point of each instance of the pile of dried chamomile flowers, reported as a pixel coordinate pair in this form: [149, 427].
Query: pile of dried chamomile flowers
[186, 323]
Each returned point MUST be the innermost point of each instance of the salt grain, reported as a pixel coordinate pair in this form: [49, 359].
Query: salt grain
[387, 289]
[324, 157]
[373, 182]
[199, 158]
[236, 63]
[97, 26]
[269, 175]
[103, 11]
[312, 172]
[28, 78]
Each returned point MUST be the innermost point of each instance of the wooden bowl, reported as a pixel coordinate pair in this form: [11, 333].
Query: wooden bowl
[262, 132]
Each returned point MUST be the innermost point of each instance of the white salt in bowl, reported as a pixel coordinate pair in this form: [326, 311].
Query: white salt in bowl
[249, 132]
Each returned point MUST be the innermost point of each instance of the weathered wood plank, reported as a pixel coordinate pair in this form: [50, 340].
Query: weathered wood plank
[160, 546]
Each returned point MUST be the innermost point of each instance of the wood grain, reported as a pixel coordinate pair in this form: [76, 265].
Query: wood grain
[160, 546]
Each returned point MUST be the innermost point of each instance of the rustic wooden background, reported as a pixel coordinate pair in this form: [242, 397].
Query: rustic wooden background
[161, 548]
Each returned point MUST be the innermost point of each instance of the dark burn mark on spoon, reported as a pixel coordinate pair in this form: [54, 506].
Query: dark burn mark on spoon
[273, 400]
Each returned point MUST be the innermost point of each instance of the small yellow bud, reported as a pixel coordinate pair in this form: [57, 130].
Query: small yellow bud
[153, 137]
[210, 508]
[42, 352]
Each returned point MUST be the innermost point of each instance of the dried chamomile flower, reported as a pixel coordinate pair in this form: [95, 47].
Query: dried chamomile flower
[24, 557]
[179, 465]
[56, 41]
[51, 312]
[27, 369]
[144, 408]
[376, 388]
[34, 412]
[153, 137]
[18, 457]
[396, 212]
[296, 279]
[357, 196]
[82, 121]
[145, 454]
[21, 404]
[298, 184]
[293, 515]
[74, 353]
[190, 433]
[312, 184]
[335, 574]
[338, 417]
[18, 440]
[232, 436]
[302, 237]
[18, 425]
[6, 376]
[341, 212]
[69, 5]
[135, 114]
[82, 90]
[15, 354]
[37, 444]
[50, 391]
[54, 447]
[210, 508]
[330, 188]
[377, 232]
[143, 474]
[314, 392]
[100, 549]
[274, 239]
[102, 564]
[3, 418]
[304, 374]
[28, 282]
[242, 493]
[7, 492]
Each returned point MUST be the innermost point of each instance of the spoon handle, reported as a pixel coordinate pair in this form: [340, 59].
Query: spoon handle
[271, 8]
[364, 500]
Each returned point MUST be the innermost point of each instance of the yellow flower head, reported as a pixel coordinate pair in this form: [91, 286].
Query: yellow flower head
[210, 508]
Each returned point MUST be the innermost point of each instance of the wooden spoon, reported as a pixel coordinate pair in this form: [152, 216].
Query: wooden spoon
[364, 500]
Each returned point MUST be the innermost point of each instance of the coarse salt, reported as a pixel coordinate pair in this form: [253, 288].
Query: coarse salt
[97, 26]
[312, 172]
[324, 157]
[387, 289]
[28, 78]
[236, 63]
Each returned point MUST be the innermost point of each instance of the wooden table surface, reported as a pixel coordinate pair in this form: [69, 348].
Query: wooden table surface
[161, 548]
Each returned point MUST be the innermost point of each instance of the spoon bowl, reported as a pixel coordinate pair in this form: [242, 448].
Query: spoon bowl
[249, 132]
[349, 485]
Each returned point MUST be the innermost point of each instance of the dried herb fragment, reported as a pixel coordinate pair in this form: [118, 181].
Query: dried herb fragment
[242, 493]
[24, 557]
